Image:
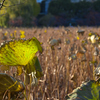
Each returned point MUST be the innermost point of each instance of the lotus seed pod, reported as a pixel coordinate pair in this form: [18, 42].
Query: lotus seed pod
[80, 32]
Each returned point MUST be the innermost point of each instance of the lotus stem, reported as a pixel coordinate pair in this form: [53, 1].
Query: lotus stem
[30, 87]
[25, 86]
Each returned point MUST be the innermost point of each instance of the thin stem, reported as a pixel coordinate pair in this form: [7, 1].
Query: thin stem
[25, 86]
[8, 95]
[30, 87]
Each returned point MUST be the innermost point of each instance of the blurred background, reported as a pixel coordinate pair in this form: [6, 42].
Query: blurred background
[29, 13]
[70, 47]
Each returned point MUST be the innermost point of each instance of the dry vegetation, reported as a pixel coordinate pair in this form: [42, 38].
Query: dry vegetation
[61, 75]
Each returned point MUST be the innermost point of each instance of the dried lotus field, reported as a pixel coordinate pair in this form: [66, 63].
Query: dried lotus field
[66, 64]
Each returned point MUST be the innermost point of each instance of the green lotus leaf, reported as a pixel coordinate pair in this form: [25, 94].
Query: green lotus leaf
[19, 52]
[87, 91]
[9, 83]
[33, 67]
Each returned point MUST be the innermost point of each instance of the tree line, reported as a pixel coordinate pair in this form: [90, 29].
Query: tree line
[11, 9]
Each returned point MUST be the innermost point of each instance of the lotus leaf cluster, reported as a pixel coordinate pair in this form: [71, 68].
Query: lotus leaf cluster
[20, 53]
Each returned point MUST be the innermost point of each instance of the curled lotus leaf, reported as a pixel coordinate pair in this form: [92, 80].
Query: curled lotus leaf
[9, 83]
[19, 52]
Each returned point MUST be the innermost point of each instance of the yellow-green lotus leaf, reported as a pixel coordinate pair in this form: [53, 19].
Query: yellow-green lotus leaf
[19, 52]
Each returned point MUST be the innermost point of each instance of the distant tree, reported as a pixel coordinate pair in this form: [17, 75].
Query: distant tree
[58, 6]
[69, 9]
[96, 5]
[3, 13]
[2, 4]
[36, 7]
[27, 9]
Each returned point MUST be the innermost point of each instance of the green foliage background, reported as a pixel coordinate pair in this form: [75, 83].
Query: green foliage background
[26, 9]
[71, 9]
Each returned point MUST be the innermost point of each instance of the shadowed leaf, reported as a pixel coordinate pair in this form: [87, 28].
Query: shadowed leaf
[8, 83]
[87, 91]
[33, 67]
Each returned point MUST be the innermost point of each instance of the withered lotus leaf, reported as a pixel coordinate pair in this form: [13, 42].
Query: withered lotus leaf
[9, 83]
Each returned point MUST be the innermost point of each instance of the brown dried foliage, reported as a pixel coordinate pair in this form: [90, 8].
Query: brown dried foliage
[61, 76]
